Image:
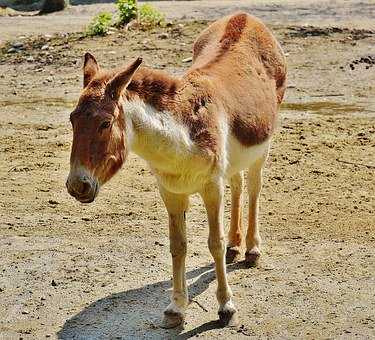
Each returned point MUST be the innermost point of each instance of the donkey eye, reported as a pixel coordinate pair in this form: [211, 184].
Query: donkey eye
[105, 125]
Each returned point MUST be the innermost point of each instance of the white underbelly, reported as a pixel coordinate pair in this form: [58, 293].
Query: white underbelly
[241, 157]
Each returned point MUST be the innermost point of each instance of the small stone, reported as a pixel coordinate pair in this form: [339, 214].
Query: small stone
[30, 59]
[163, 36]
[25, 312]
[17, 44]
[44, 47]
[53, 202]
[49, 79]
[187, 60]
[12, 50]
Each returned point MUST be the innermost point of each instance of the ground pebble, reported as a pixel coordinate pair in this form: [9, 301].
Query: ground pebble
[163, 36]
[17, 44]
[187, 60]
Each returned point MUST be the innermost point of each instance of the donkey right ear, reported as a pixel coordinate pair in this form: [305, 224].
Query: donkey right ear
[90, 68]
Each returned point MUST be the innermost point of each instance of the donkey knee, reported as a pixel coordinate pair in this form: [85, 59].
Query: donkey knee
[178, 248]
[217, 247]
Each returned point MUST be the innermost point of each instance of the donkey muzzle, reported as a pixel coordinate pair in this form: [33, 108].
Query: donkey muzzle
[82, 187]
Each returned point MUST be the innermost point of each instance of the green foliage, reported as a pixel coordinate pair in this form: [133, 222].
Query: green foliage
[100, 24]
[150, 17]
[127, 10]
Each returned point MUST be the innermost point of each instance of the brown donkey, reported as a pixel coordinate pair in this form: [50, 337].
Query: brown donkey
[195, 132]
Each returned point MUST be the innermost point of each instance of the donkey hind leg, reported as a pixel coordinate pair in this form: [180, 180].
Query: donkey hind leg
[254, 185]
[235, 237]
[177, 206]
[212, 195]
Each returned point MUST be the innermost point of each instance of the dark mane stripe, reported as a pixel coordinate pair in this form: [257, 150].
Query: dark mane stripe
[233, 31]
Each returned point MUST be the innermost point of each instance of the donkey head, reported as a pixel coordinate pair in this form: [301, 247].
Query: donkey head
[99, 133]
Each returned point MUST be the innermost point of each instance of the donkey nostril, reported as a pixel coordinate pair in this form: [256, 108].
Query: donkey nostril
[82, 187]
[85, 187]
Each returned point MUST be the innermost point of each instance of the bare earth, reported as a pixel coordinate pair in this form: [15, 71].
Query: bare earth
[102, 271]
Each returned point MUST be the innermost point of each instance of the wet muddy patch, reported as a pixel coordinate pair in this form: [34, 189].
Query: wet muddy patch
[324, 108]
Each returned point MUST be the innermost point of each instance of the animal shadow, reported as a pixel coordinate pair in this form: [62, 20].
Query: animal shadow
[136, 313]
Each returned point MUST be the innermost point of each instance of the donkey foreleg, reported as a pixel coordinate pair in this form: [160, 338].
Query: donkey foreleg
[177, 206]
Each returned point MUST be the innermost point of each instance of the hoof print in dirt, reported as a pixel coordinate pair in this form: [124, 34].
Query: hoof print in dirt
[367, 62]
[233, 255]
[172, 320]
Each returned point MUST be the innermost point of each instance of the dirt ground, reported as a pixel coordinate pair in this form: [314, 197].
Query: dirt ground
[102, 271]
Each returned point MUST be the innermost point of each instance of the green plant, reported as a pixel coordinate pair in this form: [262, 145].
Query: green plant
[149, 16]
[127, 10]
[100, 24]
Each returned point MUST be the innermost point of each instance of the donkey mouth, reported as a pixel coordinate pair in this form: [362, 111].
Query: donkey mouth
[90, 196]
[86, 200]
[87, 197]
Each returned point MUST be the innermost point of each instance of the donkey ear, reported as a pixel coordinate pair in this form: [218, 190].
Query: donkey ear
[122, 79]
[90, 68]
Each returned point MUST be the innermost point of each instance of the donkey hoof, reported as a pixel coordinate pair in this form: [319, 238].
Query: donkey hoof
[228, 316]
[172, 319]
[233, 254]
[252, 258]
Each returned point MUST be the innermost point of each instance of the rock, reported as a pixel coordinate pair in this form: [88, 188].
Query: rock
[53, 202]
[187, 60]
[25, 312]
[12, 50]
[30, 59]
[17, 44]
[44, 48]
[163, 36]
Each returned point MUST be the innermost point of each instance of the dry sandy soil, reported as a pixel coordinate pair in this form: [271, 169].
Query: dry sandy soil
[102, 271]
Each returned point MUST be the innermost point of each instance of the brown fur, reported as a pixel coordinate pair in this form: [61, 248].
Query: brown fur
[247, 59]
[237, 80]
[238, 70]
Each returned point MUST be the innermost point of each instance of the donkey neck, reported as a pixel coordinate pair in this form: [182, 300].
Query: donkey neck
[153, 87]
[154, 132]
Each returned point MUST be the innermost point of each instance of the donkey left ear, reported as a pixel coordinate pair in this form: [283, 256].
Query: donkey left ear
[90, 68]
[122, 79]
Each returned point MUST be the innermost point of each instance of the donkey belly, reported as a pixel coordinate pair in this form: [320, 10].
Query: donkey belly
[185, 176]
[241, 157]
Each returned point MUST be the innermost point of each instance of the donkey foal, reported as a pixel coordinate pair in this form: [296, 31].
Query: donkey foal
[195, 132]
